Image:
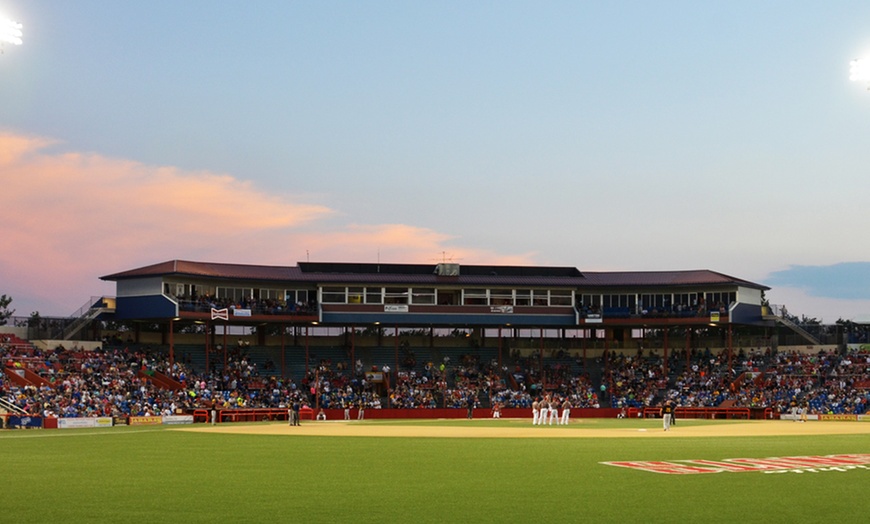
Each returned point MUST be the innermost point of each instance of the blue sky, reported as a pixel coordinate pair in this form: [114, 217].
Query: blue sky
[606, 136]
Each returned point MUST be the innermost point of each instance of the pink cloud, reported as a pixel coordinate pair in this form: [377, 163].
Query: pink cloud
[71, 217]
[402, 244]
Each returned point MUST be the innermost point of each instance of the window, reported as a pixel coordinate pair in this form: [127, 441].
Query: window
[591, 300]
[524, 297]
[396, 295]
[236, 294]
[474, 297]
[374, 295]
[618, 301]
[720, 300]
[355, 295]
[501, 297]
[540, 297]
[334, 295]
[560, 297]
[296, 296]
[685, 301]
[271, 294]
[423, 295]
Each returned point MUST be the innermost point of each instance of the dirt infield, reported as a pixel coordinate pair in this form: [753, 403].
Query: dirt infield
[513, 429]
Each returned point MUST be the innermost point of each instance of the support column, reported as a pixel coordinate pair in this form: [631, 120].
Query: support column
[688, 347]
[730, 351]
[171, 346]
[208, 343]
[499, 349]
[665, 344]
[396, 344]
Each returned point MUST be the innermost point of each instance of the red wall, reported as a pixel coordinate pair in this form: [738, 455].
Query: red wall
[338, 414]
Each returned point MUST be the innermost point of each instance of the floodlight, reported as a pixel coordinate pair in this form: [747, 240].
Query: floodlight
[10, 32]
[859, 70]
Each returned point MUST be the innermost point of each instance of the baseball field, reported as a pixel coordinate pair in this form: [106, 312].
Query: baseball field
[595, 470]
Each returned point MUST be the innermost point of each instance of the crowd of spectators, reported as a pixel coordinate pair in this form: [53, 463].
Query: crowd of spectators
[268, 306]
[634, 380]
[829, 383]
[114, 381]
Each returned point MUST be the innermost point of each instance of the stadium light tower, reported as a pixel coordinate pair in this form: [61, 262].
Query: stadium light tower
[10, 32]
[859, 71]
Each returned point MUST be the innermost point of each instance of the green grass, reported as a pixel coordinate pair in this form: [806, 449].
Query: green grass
[162, 475]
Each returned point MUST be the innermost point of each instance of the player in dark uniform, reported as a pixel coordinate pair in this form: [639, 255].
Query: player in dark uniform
[667, 412]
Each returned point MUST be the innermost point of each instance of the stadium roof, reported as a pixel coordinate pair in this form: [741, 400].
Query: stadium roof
[426, 274]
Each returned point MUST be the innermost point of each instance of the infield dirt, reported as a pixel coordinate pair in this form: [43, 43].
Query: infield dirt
[577, 430]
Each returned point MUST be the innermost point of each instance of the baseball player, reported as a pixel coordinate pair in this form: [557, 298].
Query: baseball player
[554, 411]
[536, 412]
[667, 411]
[566, 411]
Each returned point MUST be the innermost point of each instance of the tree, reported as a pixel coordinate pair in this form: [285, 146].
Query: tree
[35, 325]
[5, 312]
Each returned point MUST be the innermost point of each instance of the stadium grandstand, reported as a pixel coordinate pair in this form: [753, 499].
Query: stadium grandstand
[191, 337]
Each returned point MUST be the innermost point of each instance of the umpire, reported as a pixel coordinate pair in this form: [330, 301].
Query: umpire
[294, 413]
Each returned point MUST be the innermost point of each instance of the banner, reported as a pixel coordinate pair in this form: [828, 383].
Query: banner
[104, 422]
[241, 312]
[146, 421]
[76, 423]
[220, 314]
[23, 421]
[374, 376]
[178, 419]
[396, 308]
[842, 417]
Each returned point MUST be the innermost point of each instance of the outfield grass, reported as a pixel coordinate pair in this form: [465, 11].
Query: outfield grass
[165, 475]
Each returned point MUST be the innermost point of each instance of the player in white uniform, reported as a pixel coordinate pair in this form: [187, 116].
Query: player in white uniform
[566, 412]
[554, 410]
[536, 412]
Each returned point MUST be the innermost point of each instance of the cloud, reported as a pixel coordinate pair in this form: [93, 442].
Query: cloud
[826, 310]
[845, 280]
[70, 217]
[402, 244]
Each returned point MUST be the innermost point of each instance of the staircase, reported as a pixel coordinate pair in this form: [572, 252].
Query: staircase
[8, 407]
[86, 314]
[794, 327]
[160, 380]
[21, 376]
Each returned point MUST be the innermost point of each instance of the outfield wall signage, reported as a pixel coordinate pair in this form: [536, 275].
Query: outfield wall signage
[146, 421]
[841, 417]
[178, 419]
[809, 464]
[23, 421]
[84, 422]
[76, 423]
